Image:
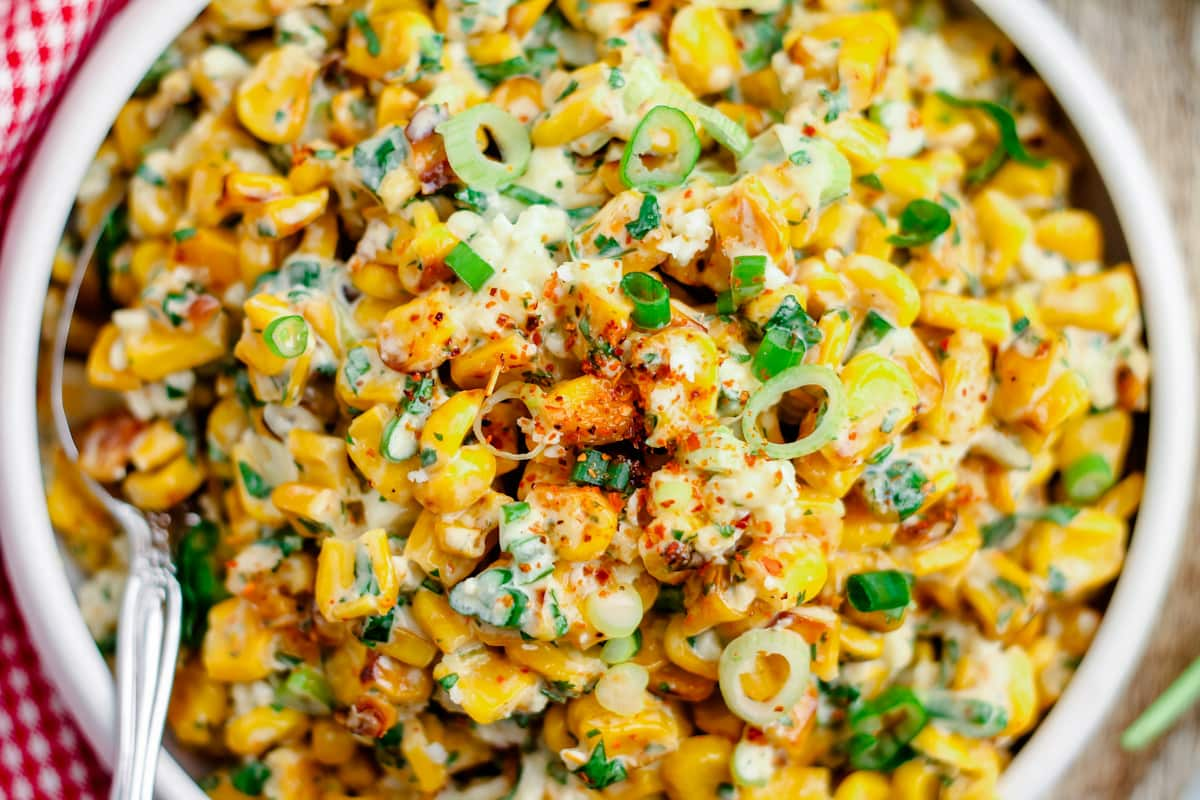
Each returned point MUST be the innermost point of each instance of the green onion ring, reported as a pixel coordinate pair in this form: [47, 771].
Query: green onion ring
[650, 298]
[774, 389]
[740, 656]
[287, 337]
[883, 590]
[459, 136]
[676, 124]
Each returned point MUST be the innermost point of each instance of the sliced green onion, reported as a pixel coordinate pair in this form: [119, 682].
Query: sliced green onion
[966, 715]
[1086, 478]
[287, 336]
[921, 222]
[469, 267]
[622, 689]
[725, 130]
[460, 137]
[650, 298]
[660, 122]
[644, 83]
[741, 656]
[617, 650]
[773, 391]
[250, 778]
[591, 469]
[883, 728]
[752, 764]
[1162, 713]
[307, 690]
[746, 277]
[616, 613]
[878, 591]
[360, 20]
[1010, 141]
[779, 350]
[527, 196]
[725, 306]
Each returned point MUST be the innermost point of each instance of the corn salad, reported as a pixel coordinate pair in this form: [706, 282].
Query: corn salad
[577, 398]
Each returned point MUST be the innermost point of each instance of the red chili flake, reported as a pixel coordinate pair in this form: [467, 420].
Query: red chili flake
[809, 130]
[772, 565]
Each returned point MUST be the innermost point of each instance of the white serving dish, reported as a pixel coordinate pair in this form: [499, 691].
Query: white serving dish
[40, 577]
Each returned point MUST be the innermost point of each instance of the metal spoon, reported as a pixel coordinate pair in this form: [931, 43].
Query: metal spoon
[151, 609]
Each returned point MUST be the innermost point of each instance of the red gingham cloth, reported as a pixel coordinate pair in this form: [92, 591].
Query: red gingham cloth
[42, 754]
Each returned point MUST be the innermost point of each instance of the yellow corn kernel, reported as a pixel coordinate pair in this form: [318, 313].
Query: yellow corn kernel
[311, 509]
[949, 552]
[251, 733]
[698, 768]
[237, 646]
[157, 445]
[1022, 693]
[198, 706]
[1080, 556]
[365, 379]
[916, 780]
[424, 549]
[256, 256]
[862, 142]
[430, 772]
[460, 474]
[211, 249]
[154, 205]
[157, 352]
[908, 179]
[393, 53]
[860, 643]
[1004, 229]
[474, 368]
[419, 336]
[489, 685]
[962, 405]
[245, 190]
[100, 370]
[1073, 233]
[1105, 435]
[206, 187]
[1002, 594]
[793, 782]
[580, 521]
[272, 101]
[863, 786]
[681, 652]
[165, 487]
[242, 14]
[331, 744]
[703, 49]
[355, 579]
[281, 218]
[885, 287]
[378, 280]
[988, 318]
[1104, 302]
[350, 122]
[558, 663]
[448, 629]
[395, 105]
[1124, 498]
[623, 736]
[577, 115]
[862, 530]
[521, 96]
[1036, 187]
[131, 132]
[876, 388]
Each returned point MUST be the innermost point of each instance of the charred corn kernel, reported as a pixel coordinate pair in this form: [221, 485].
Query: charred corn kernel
[577, 115]
[1004, 229]
[1079, 556]
[627, 737]
[253, 732]
[524, 15]
[489, 686]
[884, 287]
[864, 786]
[457, 474]
[1072, 233]
[356, 578]
[272, 102]
[331, 743]
[288, 215]
[703, 50]
[167, 486]
[351, 117]
[474, 368]
[387, 45]
[988, 318]
[206, 188]
[419, 336]
[698, 768]
[237, 645]
[908, 179]
[681, 652]
[198, 708]
[1106, 301]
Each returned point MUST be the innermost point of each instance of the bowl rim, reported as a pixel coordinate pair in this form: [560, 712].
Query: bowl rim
[107, 78]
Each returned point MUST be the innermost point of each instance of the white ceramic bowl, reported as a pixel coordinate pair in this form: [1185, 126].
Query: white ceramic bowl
[136, 37]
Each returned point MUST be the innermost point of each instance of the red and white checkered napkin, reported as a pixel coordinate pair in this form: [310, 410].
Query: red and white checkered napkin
[42, 754]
